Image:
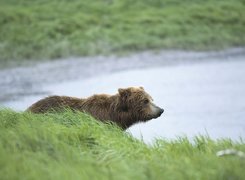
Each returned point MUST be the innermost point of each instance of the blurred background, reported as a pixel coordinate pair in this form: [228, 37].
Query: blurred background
[188, 54]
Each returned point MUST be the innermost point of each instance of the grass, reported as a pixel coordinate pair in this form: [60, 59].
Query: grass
[62, 28]
[75, 146]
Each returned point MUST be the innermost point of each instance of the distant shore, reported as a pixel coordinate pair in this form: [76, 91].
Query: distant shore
[37, 30]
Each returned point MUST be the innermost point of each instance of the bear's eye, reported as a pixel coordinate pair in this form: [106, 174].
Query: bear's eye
[146, 101]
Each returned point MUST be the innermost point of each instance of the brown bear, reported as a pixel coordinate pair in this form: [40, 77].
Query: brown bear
[129, 106]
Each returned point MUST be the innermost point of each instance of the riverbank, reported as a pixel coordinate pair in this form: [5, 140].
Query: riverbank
[75, 146]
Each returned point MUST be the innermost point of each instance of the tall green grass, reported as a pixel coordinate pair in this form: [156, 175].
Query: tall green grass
[75, 146]
[44, 29]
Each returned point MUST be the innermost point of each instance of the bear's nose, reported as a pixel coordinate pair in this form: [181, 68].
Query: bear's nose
[161, 111]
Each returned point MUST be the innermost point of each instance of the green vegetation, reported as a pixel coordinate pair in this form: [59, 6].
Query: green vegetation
[75, 146]
[61, 28]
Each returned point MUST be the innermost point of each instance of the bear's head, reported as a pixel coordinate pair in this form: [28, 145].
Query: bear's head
[138, 103]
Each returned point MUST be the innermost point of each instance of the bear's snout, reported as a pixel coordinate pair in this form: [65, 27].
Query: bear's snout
[161, 111]
[156, 111]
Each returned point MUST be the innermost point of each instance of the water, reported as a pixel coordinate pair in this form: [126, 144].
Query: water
[205, 98]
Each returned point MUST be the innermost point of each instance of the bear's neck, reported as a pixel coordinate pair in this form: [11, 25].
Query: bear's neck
[121, 117]
[107, 108]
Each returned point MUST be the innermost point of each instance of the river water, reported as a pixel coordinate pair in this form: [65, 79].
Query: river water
[205, 98]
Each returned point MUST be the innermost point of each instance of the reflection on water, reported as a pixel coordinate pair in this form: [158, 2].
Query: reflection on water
[205, 98]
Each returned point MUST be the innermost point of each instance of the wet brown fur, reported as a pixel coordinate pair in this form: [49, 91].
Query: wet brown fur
[129, 106]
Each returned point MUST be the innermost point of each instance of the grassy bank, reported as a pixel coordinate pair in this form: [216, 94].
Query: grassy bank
[75, 146]
[52, 29]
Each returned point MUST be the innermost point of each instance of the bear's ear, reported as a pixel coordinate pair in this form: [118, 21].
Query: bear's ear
[120, 90]
[142, 88]
[124, 92]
